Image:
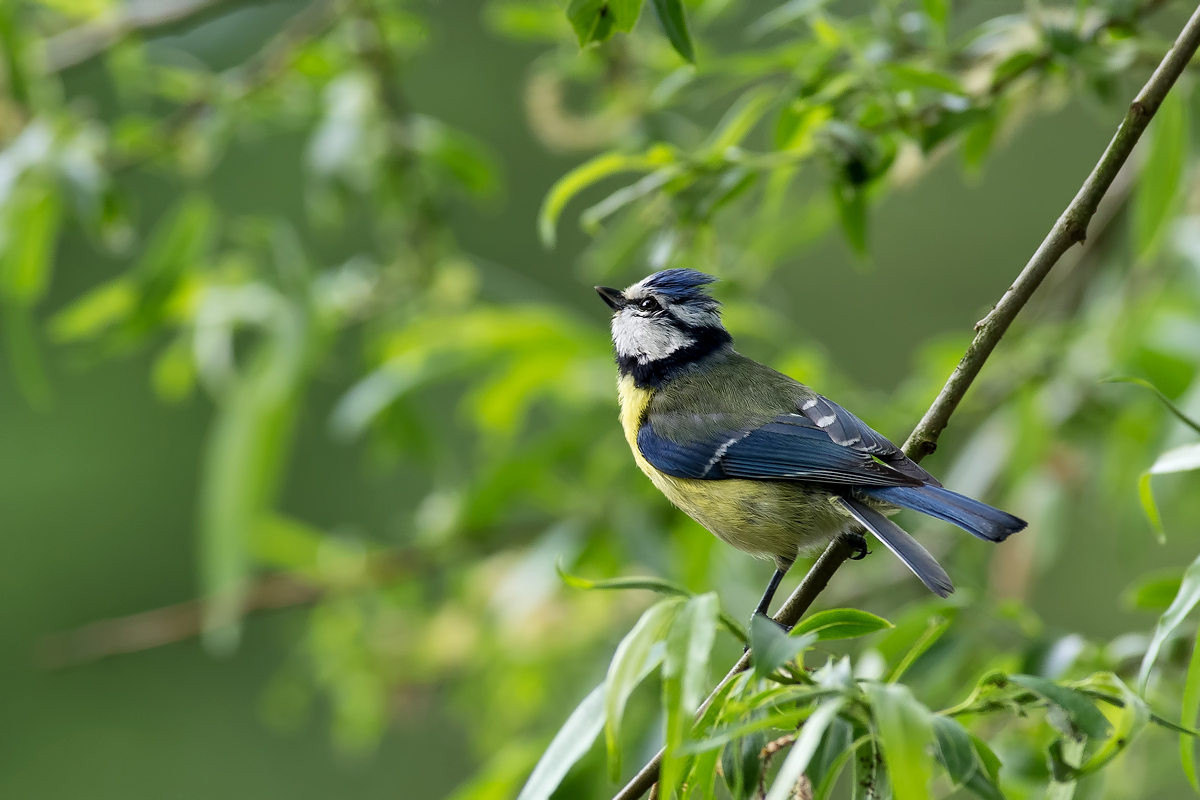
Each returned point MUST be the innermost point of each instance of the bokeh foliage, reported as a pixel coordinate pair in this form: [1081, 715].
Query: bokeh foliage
[752, 131]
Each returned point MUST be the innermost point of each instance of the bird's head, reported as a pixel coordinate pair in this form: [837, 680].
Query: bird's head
[667, 316]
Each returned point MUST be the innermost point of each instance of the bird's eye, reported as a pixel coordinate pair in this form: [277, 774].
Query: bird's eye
[649, 304]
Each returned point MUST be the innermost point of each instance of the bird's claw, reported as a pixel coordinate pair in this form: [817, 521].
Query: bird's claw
[859, 543]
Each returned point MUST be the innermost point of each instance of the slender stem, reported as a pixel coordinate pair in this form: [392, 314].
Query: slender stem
[76, 45]
[1070, 229]
[813, 584]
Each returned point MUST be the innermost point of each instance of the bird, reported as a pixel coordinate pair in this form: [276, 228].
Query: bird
[762, 461]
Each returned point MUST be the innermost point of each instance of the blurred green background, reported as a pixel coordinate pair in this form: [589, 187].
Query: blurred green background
[99, 487]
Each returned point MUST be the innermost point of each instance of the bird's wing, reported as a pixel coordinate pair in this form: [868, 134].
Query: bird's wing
[786, 447]
[845, 429]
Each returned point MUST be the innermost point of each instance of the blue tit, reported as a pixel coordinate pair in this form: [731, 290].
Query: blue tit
[759, 459]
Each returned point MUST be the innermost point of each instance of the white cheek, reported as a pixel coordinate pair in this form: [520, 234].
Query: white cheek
[646, 338]
[697, 317]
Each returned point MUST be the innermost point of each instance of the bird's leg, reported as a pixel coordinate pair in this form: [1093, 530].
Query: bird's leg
[859, 543]
[764, 605]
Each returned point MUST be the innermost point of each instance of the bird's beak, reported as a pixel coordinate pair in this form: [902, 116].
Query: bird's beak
[614, 297]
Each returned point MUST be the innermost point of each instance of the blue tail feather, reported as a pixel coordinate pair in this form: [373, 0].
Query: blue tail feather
[906, 548]
[976, 518]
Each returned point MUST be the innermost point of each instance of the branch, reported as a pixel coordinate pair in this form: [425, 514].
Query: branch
[814, 582]
[1070, 229]
[77, 45]
[175, 623]
[181, 621]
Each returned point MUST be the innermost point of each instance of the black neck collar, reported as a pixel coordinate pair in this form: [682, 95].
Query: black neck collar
[653, 374]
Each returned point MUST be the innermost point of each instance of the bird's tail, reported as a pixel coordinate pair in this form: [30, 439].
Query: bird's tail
[906, 548]
[976, 518]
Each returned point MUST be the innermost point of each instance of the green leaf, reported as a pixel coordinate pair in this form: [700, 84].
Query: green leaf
[1189, 708]
[802, 751]
[570, 744]
[870, 775]
[625, 13]
[589, 173]
[1185, 600]
[1150, 507]
[739, 120]
[851, 204]
[177, 244]
[243, 466]
[1184, 458]
[984, 787]
[1083, 714]
[1014, 66]
[685, 670]
[629, 664]
[785, 14]
[1162, 173]
[591, 218]
[20, 335]
[957, 752]
[1153, 592]
[978, 142]
[937, 627]
[840, 623]
[771, 648]
[916, 77]
[954, 749]
[464, 159]
[32, 216]
[991, 764]
[938, 12]
[764, 721]
[32, 220]
[831, 756]
[1162, 398]
[650, 584]
[13, 43]
[592, 20]
[1065, 755]
[101, 308]
[174, 372]
[834, 769]
[674, 25]
[1154, 718]
[905, 732]
[1132, 720]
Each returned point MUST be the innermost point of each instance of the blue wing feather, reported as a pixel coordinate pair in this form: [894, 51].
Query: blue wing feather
[790, 447]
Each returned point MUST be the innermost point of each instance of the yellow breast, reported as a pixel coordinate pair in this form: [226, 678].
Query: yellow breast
[764, 518]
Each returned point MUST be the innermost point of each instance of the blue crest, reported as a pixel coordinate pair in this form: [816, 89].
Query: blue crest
[678, 284]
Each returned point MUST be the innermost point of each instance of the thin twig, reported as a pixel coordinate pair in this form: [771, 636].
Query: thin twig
[175, 623]
[1070, 229]
[813, 584]
[160, 626]
[77, 45]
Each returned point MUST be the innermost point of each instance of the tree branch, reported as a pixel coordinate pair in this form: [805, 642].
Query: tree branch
[77, 45]
[1070, 229]
[160, 626]
[814, 582]
[181, 621]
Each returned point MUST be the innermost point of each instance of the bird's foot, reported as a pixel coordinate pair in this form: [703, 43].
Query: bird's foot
[859, 543]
